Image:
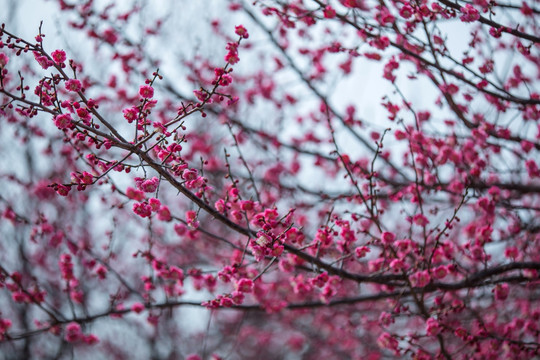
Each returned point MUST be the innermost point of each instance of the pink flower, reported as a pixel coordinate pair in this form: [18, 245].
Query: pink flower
[4, 59]
[263, 239]
[406, 11]
[73, 332]
[77, 296]
[62, 121]
[62, 190]
[84, 114]
[189, 174]
[90, 339]
[501, 291]
[258, 251]
[232, 55]
[327, 292]
[237, 297]
[59, 56]
[226, 80]
[220, 205]
[233, 100]
[248, 205]
[386, 319]
[400, 135]
[226, 301]
[451, 89]
[329, 12]
[73, 85]
[245, 285]
[420, 219]
[532, 168]
[470, 14]
[526, 146]
[5, 324]
[526, 9]
[200, 95]
[232, 58]
[191, 215]
[191, 218]
[110, 36]
[146, 91]
[137, 307]
[19, 297]
[388, 70]
[461, 333]
[237, 215]
[397, 265]
[388, 238]
[420, 279]
[154, 203]
[149, 185]
[440, 272]
[386, 341]
[320, 280]
[134, 194]
[42, 60]
[164, 214]
[496, 33]
[101, 272]
[511, 252]
[233, 193]
[361, 251]
[384, 17]
[277, 249]
[142, 209]
[357, 4]
[381, 42]
[241, 31]
[130, 114]
[180, 229]
[432, 327]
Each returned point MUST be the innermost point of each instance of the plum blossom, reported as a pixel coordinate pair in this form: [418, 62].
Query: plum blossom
[62, 121]
[245, 285]
[73, 332]
[42, 60]
[387, 341]
[388, 238]
[58, 56]
[329, 12]
[73, 85]
[137, 307]
[4, 59]
[420, 279]
[470, 14]
[130, 114]
[142, 209]
[191, 219]
[232, 54]
[149, 185]
[432, 327]
[241, 31]
[146, 91]
[361, 251]
[501, 291]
